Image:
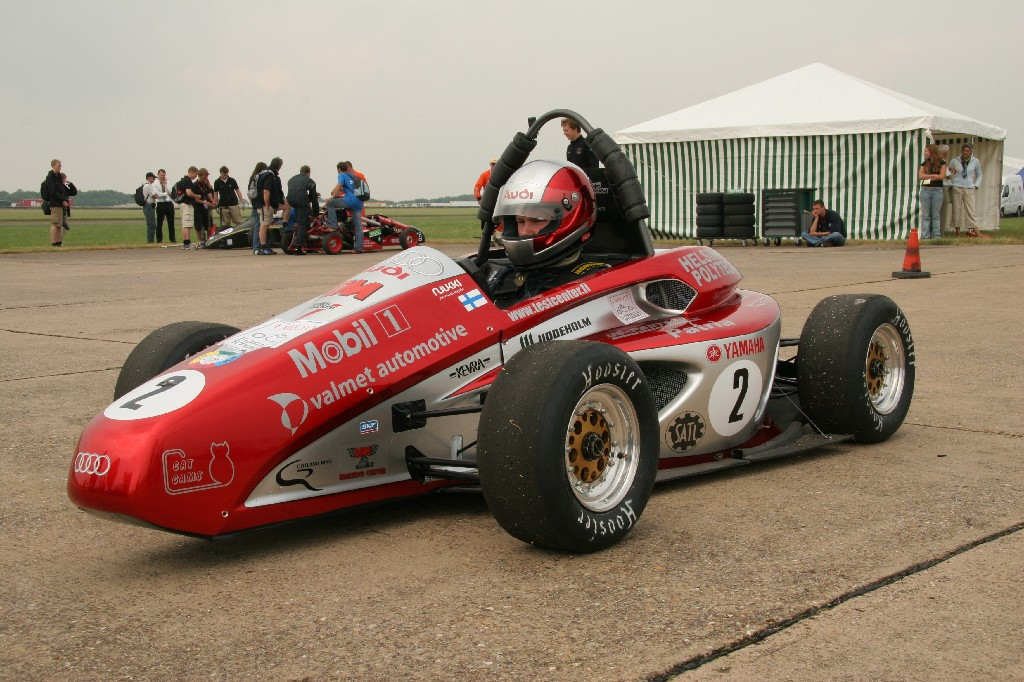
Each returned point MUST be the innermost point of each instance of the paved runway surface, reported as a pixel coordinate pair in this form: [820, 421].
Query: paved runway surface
[898, 561]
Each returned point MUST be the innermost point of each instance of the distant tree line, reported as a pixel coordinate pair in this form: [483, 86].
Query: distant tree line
[91, 197]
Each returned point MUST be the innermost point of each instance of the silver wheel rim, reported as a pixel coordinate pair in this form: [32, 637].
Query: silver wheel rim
[602, 448]
[885, 368]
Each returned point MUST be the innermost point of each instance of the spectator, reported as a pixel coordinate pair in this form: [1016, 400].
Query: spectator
[190, 194]
[931, 174]
[54, 193]
[164, 207]
[253, 222]
[947, 190]
[71, 191]
[229, 199]
[965, 176]
[481, 181]
[149, 207]
[578, 151]
[356, 174]
[204, 206]
[269, 197]
[478, 188]
[344, 196]
[827, 228]
[302, 198]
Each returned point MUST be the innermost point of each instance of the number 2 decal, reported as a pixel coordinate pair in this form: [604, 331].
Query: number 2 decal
[159, 395]
[733, 402]
[165, 385]
[740, 380]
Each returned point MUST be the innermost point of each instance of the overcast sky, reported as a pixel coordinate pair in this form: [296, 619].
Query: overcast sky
[419, 95]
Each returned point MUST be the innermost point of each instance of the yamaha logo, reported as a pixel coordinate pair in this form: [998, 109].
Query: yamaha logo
[91, 463]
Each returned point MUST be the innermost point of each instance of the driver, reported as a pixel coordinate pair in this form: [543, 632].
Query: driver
[546, 212]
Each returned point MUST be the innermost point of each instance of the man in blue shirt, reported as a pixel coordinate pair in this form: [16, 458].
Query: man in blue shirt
[344, 196]
[827, 228]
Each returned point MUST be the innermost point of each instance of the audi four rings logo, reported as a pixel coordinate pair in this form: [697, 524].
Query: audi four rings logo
[91, 463]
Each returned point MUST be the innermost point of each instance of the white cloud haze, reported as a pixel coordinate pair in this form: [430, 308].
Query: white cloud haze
[419, 95]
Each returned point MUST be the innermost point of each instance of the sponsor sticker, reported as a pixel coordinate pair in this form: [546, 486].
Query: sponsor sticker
[369, 426]
[625, 308]
[185, 473]
[685, 432]
[714, 353]
[215, 358]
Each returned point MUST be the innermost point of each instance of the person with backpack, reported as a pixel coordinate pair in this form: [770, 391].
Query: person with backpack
[144, 198]
[346, 195]
[269, 197]
[164, 204]
[54, 193]
[252, 223]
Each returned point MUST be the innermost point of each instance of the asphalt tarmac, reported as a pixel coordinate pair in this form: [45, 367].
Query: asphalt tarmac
[897, 561]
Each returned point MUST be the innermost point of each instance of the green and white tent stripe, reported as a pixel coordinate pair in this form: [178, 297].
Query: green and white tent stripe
[870, 179]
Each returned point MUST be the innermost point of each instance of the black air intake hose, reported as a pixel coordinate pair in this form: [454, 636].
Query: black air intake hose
[621, 175]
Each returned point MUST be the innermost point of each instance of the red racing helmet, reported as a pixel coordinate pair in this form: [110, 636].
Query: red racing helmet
[546, 211]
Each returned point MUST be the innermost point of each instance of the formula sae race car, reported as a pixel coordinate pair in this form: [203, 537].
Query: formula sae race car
[379, 232]
[563, 408]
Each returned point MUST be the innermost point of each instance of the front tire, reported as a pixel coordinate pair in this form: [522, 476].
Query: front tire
[568, 445]
[333, 244]
[166, 347]
[408, 238]
[855, 366]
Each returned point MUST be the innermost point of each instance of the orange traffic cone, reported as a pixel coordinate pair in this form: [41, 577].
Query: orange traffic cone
[912, 261]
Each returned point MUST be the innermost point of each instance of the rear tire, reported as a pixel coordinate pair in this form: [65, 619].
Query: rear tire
[568, 445]
[165, 348]
[855, 366]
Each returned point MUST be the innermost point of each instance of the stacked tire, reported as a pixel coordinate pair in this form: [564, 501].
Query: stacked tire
[725, 216]
[710, 217]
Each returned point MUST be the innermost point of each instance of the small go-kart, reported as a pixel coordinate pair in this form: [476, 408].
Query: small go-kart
[563, 408]
[379, 232]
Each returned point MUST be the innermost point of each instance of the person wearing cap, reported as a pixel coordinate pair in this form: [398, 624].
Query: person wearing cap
[149, 206]
[965, 177]
[481, 182]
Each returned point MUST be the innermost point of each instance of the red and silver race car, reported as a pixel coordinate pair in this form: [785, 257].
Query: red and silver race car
[379, 232]
[563, 407]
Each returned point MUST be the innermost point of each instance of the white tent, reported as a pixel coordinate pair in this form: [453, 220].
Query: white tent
[856, 144]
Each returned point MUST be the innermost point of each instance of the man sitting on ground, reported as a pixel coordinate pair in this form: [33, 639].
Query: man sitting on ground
[827, 228]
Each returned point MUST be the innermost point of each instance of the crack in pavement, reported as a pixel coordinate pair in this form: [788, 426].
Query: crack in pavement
[986, 432]
[65, 336]
[760, 635]
[60, 374]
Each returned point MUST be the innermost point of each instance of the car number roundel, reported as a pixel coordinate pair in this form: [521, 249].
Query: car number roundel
[734, 397]
[161, 395]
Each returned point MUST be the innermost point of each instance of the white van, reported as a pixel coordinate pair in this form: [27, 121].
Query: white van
[1011, 201]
